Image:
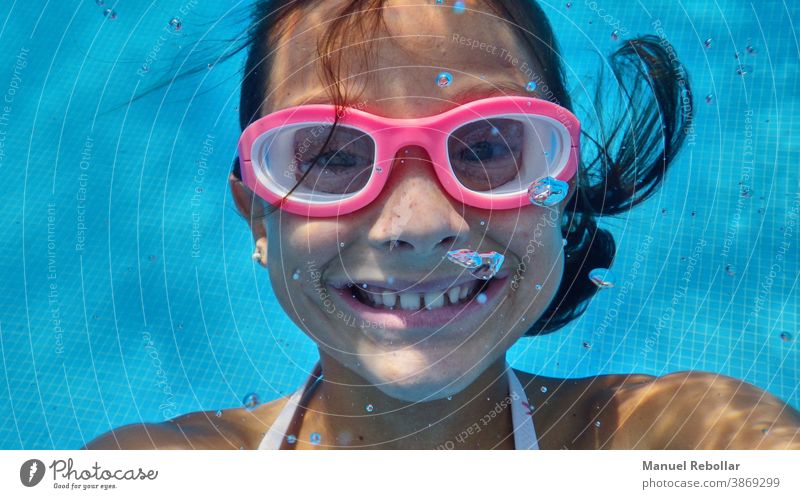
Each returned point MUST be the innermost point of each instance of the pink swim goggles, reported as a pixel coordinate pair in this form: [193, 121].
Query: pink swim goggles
[485, 153]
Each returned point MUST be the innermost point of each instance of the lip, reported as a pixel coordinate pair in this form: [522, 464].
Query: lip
[411, 326]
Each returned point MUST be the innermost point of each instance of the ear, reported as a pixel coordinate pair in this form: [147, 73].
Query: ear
[252, 210]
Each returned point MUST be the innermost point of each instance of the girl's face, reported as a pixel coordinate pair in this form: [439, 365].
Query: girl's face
[402, 238]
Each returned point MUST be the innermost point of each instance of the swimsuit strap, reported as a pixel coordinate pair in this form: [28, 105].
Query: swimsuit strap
[277, 432]
[521, 414]
[521, 410]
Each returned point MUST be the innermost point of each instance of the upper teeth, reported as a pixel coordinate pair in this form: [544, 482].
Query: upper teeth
[415, 301]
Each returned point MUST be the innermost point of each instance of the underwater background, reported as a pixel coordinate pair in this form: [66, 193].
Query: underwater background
[128, 293]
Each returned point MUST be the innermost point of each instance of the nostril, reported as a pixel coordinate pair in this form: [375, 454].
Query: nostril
[449, 241]
[397, 244]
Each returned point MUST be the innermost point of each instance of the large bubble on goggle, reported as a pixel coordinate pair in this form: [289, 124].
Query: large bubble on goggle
[481, 265]
[548, 191]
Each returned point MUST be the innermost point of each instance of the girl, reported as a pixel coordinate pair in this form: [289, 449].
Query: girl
[382, 137]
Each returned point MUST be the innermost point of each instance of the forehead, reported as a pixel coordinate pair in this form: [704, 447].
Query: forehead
[393, 71]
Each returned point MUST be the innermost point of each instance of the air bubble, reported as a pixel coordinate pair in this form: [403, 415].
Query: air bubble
[547, 191]
[602, 278]
[481, 265]
[218, 414]
[251, 401]
[341, 245]
[730, 270]
[370, 408]
[175, 24]
[315, 438]
[743, 69]
[291, 439]
[110, 14]
[538, 287]
[786, 337]
[449, 397]
[296, 275]
[587, 345]
[569, 5]
[531, 86]
[543, 389]
[481, 298]
[615, 35]
[707, 43]
[709, 99]
[459, 7]
[597, 424]
[444, 79]
[751, 50]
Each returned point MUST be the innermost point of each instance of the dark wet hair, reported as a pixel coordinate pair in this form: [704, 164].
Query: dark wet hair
[621, 167]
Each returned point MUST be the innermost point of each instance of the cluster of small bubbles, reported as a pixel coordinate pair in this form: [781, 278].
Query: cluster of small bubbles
[531, 86]
[481, 265]
[250, 401]
[110, 14]
[707, 43]
[459, 7]
[296, 275]
[547, 191]
[315, 438]
[444, 79]
[175, 24]
[291, 439]
[615, 35]
[597, 423]
[786, 337]
[543, 389]
[730, 270]
[219, 413]
[370, 408]
[709, 99]
[602, 278]
[481, 298]
[587, 345]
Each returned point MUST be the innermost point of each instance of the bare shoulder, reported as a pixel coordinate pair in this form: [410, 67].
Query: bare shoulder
[563, 407]
[236, 428]
[688, 410]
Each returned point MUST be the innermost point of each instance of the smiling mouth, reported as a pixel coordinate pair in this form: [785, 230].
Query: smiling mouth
[387, 299]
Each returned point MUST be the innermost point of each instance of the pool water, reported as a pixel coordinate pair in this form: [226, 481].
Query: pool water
[128, 292]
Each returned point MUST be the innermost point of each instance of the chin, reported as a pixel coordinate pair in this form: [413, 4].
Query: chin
[410, 381]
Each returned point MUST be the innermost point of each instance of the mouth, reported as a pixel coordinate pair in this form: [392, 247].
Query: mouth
[387, 299]
[421, 309]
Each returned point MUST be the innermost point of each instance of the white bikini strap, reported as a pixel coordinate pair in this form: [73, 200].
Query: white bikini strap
[521, 410]
[277, 432]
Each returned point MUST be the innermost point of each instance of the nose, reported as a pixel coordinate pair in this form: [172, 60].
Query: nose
[416, 214]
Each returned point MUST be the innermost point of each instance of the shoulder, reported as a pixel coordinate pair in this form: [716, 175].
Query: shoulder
[236, 428]
[688, 410]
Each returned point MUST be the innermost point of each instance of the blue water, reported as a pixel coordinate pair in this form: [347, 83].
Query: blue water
[128, 293]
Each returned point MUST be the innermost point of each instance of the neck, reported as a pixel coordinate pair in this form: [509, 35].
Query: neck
[478, 417]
